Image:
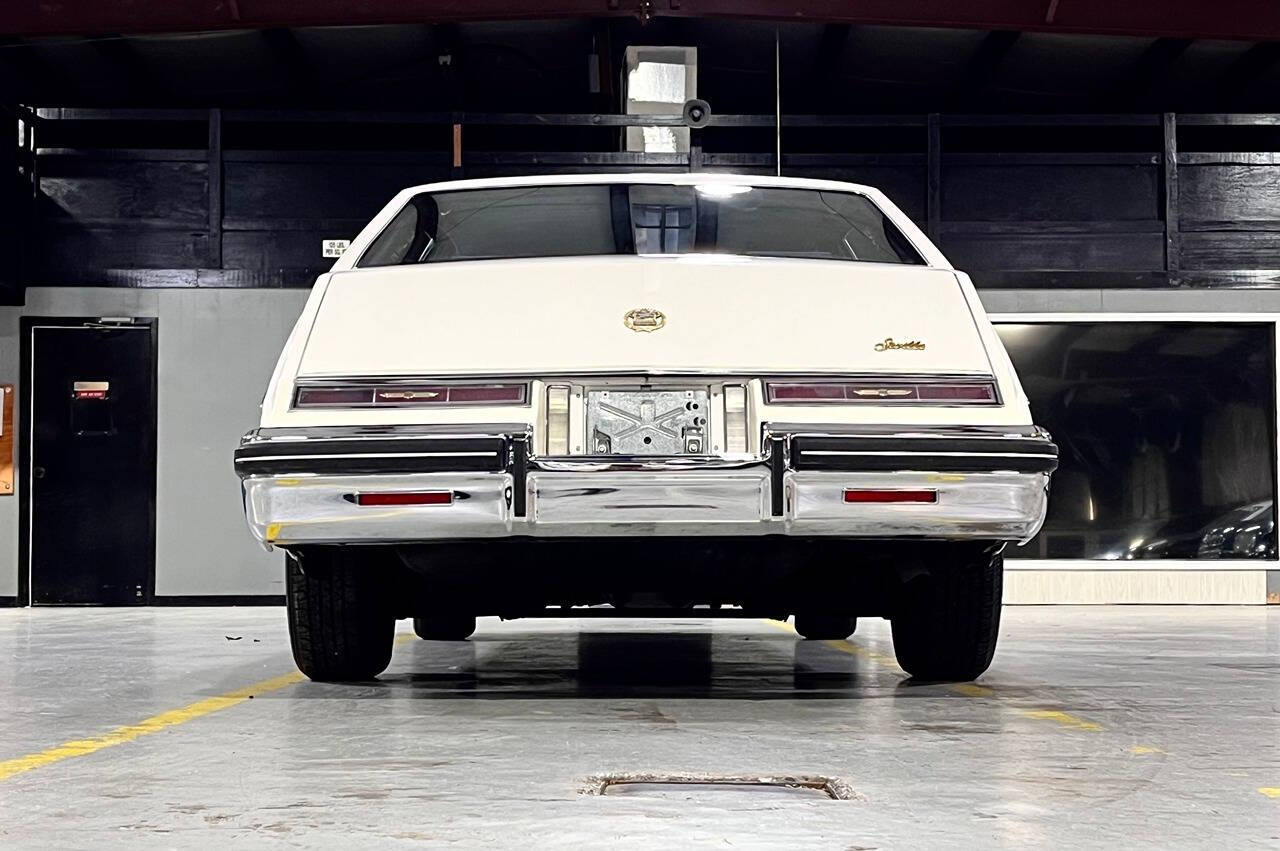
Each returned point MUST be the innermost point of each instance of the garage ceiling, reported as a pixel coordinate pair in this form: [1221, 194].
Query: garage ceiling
[542, 66]
[1249, 20]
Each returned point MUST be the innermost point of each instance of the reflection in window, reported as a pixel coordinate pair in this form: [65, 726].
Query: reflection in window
[596, 219]
[1166, 437]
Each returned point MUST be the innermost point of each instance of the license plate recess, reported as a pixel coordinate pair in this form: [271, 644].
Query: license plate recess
[647, 422]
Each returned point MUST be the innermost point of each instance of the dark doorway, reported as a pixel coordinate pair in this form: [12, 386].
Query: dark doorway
[88, 461]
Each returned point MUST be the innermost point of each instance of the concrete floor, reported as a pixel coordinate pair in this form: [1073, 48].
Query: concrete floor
[1096, 727]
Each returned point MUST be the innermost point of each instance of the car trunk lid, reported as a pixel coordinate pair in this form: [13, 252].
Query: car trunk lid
[718, 314]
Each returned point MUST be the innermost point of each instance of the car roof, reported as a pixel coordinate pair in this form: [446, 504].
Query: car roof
[672, 178]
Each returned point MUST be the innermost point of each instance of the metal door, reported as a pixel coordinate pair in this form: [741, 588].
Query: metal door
[91, 462]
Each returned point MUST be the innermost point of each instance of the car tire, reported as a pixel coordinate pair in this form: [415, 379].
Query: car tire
[825, 627]
[340, 626]
[445, 627]
[946, 625]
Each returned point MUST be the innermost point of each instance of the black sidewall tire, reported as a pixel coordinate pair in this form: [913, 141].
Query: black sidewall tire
[340, 625]
[947, 622]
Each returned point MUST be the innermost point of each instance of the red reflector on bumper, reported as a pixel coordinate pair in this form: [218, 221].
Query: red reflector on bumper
[852, 495]
[405, 498]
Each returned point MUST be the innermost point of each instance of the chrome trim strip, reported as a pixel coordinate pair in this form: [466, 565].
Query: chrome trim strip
[906, 432]
[443, 431]
[763, 373]
[617, 463]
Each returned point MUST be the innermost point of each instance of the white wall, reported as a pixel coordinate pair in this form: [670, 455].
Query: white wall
[217, 349]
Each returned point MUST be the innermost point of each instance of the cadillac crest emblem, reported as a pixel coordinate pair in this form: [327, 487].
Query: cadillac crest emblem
[644, 319]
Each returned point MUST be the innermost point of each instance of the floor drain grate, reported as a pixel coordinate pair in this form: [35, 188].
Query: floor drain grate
[683, 785]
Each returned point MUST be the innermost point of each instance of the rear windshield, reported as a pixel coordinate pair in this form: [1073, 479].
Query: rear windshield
[638, 218]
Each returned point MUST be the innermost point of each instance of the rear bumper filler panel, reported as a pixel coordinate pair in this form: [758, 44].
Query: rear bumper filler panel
[352, 451]
[992, 482]
[958, 454]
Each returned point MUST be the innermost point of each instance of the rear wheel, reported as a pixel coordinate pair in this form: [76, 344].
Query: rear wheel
[445, 627]
[947, 621]
[340, 625]
[825, 627]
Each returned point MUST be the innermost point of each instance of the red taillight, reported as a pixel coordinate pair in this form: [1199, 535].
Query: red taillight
[496, 394]
[872, 495]
[957, 392]
[806, 392]
[343, 396]
[405, 498]
[881, 392]
[408, 395]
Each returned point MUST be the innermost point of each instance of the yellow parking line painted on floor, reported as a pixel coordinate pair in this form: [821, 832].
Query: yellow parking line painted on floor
[1270, 791]
[967, 689]
[154, 724]
[843, 646]
[1145, 750]
[1064, 718]
[973, 690]
[859, 650]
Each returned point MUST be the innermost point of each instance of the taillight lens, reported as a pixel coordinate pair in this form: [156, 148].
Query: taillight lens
[407, 395]
[393, 498]
[895, 495]
[882, 392]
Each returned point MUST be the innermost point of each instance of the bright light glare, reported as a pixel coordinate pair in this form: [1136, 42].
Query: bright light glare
[721, 190]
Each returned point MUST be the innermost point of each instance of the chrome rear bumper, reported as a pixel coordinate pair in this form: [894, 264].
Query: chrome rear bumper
[301, 487]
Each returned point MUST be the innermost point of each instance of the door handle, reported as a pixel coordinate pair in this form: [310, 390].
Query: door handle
[37, 472]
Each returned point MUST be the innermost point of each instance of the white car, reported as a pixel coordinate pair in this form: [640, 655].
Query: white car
[712, 395]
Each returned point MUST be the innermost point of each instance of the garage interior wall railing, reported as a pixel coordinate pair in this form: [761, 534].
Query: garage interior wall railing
[247, 197]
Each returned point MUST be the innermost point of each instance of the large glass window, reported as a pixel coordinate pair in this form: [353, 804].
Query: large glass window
[595, 219]
[1166, 433]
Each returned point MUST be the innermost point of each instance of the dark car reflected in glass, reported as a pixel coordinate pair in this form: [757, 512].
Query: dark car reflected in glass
[1166, 433]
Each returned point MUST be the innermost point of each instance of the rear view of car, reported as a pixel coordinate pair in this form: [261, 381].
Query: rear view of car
[675, 394]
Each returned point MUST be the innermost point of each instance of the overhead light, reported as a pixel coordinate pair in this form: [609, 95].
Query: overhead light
[721, 190]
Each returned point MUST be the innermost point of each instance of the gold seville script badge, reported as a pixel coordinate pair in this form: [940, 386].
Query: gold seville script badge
[889, 345]
[644, 319]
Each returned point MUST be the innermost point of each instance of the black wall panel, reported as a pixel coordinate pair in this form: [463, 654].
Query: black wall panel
[1001, 203]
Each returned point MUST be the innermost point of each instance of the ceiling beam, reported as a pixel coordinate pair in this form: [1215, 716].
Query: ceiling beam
[1151, 68]
[25, 75]
[982, 67]
[1242, 74]
[291, 58]
[823, 87]
[125, 61]
[1244, 20]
